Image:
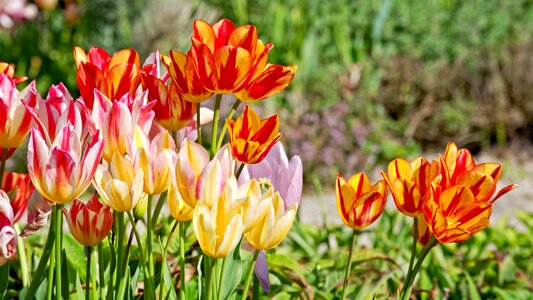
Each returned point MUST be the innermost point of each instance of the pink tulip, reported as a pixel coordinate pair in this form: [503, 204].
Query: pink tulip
[38, 211]
[15, 120]
[8, 235]
[89, 223]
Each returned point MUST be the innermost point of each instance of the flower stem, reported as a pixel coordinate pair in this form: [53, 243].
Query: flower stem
[225, 127]
[239, 171]
[3, 165]
[164, 254]
[214, 130]
[182, 259]
[45, 257]
[56, 211]
[158, 207]
[413, 251]
[101, 270]
[348, 265]
[21, 250]
[148, 280]
[249, 275]
[120, 249]
[88, 254]
[149, 228]
[221, 279]
[210, 277]
[51, 269]
[406, 291]
[198, 126]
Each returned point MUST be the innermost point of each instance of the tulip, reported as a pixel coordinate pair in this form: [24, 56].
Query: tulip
[113, 76]
[360, 203]
[9, 70]
[423, 233]
[15, 121]
[179, 209]
[117, 120]
[63, 170]
[20, 186]
[38, 211]
[8, 235]
[272, 228]
[171, 110]
[119, 185]
[219, 227]
[251, 138]
[89, 223]
[409, 183]
[255, 203]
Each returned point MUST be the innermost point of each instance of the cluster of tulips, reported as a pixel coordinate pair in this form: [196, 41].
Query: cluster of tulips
[110, 160]
[450, 199]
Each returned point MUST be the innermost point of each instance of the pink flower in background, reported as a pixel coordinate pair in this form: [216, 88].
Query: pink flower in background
[12, 11]
[8, 235]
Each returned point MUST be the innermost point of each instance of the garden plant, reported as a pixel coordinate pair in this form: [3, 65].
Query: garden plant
[172, 186]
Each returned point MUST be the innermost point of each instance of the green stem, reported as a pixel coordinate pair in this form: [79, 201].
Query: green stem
[241, 167]
[413, 250]
[150, 259]
[210, 278]
[4, 274]
[158, 208]
[182, 260]
[406, 291]
[58, 248]
[348, 265]
[51, 269]
[147, 279]
[120, 249]
[225, 127]
[21, 251]
[128, 248]
[214, 130]
[3, 165]
[198, 126]
[88, 254]
[41, 267]
[255, 289]
[101, 270]
[165, 251]
[221, 279]
[249, 275]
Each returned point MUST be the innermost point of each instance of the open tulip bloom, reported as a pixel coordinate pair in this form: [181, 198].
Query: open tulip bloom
[132, 144]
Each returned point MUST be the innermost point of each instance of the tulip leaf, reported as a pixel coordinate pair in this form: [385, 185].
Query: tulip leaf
[4, 274]
[79, 288]
[199, 268]
[507, 270]
[232, 272]
[65, 289]
[472, 288]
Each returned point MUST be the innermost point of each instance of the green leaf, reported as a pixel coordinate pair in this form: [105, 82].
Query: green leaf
[79, 288]
[199, 268]
[232, 272]
[507, 270]
[472, 289]
[4, 274]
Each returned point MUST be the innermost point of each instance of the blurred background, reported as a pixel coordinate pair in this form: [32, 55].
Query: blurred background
[376, 79]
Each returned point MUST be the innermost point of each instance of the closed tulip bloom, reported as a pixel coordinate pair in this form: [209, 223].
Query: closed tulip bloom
[255, 203]
[113, 76]
[272, 228]
[89, 223]
[8, 235]
[454, 216]
[360, 203]
[63, 170]
[219, 227]
[15, 120]
[118, 119]
[252, 138]
[155, 159]
[409, 183]
[179, 209]
[119, 185]
[20, 186]
[171, 109]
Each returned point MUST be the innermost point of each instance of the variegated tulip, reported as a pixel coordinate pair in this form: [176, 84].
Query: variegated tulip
[423, 233]
[118, 119]
[360, 203]
[409, 183]
[9, 70]
[155, 159]
[274, 225]
[15, 121]
[219, 227]
[19, 185]
[38, 211]
[255, 203]
[63, 170]
[8, 235]
[113, 76]
[251, 138]
[171, 110]
[179, 209]
[230, 59]
[119, 185]
[89, 223]
[58, 110]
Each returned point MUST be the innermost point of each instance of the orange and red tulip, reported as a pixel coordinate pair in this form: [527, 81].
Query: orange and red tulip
[113, 76]
[360, 203]
[251, 138]
[89, 223]
[19, 185]
[9, 70]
